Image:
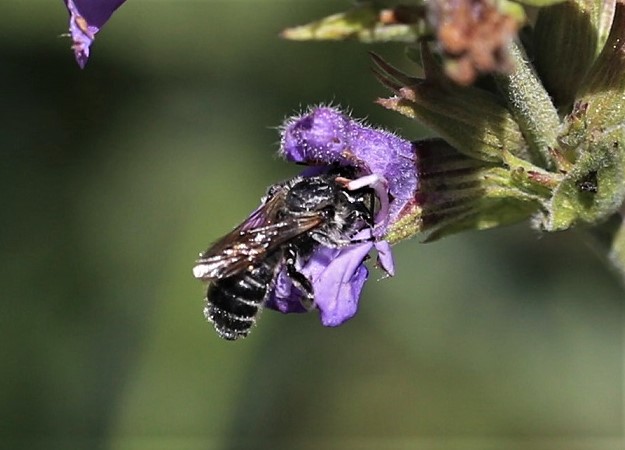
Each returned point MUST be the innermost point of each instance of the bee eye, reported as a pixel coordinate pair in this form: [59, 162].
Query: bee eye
[328, 211]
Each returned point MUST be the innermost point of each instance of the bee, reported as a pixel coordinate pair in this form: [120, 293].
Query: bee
[294, 218]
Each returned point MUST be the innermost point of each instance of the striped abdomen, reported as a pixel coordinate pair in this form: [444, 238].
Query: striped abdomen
[233, 303]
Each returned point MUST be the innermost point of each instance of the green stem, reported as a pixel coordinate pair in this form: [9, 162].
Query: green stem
[531, 105]
[609, 240]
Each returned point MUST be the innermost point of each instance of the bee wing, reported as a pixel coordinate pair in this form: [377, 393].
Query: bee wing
[250, 242]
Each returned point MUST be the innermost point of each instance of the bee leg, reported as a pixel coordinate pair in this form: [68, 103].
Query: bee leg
[330, 240]
[333, 241]
[302, 283]
[362, 241]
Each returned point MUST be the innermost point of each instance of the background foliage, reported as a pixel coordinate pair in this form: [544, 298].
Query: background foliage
[115, 177]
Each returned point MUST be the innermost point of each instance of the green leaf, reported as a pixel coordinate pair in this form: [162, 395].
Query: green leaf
[365, 23]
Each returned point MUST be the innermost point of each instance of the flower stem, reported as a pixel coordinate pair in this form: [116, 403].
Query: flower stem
[609, 240]
[531, 106]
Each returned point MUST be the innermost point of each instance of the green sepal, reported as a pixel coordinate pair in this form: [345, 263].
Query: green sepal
[573, 136]
[488, 213]
[363, 23]
[457, 193]
[603, 90]
[533, 180]
[593, 190]
[594, 139]
[513, 9]
[567, 39]
[473, 120]
[540, 3]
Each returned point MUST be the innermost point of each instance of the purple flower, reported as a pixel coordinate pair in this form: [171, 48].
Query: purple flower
[86, 19]
[325, 137]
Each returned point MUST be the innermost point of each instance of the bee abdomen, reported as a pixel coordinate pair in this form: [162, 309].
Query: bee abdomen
[227, 325]
[233, 303]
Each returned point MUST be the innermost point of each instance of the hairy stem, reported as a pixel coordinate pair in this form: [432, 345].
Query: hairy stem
[531, 106]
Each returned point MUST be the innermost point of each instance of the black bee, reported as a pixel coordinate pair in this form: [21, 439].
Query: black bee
[293, 219]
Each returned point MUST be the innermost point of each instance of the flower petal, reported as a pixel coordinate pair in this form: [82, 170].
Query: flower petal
[385, 257]
[86, 19]
[285, 297]
[325, 136]
[338, 286]
[337, 275]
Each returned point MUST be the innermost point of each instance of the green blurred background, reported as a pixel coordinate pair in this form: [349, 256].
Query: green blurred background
[115, 177]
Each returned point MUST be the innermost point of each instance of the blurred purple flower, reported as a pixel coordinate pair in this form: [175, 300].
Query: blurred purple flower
[86, 19]
[325, 137]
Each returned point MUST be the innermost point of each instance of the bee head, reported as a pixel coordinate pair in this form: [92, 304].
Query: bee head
[311, 194]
